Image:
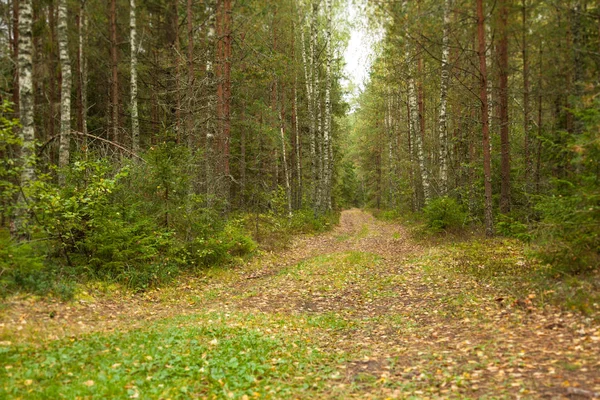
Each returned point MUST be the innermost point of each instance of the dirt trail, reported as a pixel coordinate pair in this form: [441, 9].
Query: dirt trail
[405, 327]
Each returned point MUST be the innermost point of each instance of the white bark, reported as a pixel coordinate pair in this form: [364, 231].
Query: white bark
[288, 188]
[318, 110]
[65, 94]
[27, 132]
[308, 73]
[415, 129]
[83, 65]
[135, 123]
[443, 117]
[328, 123]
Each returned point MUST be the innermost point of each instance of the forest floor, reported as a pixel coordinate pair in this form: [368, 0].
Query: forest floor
[363, 311]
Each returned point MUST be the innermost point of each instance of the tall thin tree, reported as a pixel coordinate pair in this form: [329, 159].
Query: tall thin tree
[485, 122]
[65, 94]
[135, 122]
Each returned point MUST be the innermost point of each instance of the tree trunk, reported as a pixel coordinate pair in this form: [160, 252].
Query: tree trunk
[504, 136]
[15, 43]
[190, 83]
[415, 124]
[443, 117]
[27, 132]
[176, 65]
[526, 117]
[288, 188]
[487, 171]
[81, 72]
[327, 169]
[309, 73]
[114, 91]
[227, 47]
[135, 123]
[65, 94]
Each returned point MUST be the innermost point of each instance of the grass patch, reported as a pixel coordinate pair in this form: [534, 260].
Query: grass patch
[507, 265]
[211, 356]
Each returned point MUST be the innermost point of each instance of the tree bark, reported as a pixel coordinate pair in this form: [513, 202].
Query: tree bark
[114, 91]
[15, 44]
[487, 170]
[190, 83]
[327, 168]
[135, 123]
[26, 112]
[65, 95]
[443, 117]
[526, 114]
[504, 135]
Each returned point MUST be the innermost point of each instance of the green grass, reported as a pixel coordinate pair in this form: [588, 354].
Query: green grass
[210, 356]
[509, 266]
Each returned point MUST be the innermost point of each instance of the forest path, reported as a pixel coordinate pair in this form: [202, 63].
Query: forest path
[365, 313]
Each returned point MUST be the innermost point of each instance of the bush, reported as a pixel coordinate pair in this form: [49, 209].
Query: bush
[511, 227]
[444, 213]
[568, 235]
[220, 248]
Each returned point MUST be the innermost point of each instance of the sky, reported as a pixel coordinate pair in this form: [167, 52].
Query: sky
[359, 51]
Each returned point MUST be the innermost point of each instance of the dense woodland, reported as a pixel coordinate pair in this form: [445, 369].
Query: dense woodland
[140, 139]
[486, 113]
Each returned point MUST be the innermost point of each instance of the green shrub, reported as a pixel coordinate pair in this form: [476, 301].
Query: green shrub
[511, 227]
[444, 213]
[221, 247]
[18, 261]
[568, 235]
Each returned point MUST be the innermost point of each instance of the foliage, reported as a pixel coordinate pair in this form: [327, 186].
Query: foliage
[9, 170]
[187, 356]
[220, 248]
[568, 235]
[444, 213]
[509, 226]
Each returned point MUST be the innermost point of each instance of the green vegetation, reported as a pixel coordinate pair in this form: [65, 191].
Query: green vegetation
[214, 356]
[134, 224]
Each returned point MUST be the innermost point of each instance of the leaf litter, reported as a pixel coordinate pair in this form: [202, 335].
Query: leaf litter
[367, 292]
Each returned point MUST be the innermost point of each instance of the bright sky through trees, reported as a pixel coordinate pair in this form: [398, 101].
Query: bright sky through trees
[359, 52]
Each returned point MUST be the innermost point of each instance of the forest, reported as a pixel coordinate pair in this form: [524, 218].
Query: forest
[198, 199]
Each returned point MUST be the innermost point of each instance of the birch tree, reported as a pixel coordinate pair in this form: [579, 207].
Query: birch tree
[65, 95]
[114, 84]
[135, 123]
[443, 117]
[26, 111]
[483, 79]
[327, 169]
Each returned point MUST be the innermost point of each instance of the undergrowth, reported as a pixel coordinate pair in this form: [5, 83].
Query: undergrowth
[509, 266]
[204, 356]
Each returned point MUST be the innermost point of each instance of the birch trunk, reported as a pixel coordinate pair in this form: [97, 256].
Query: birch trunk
[487, 170]
[65, 94]
[82, 73]
[27, 132]
[316, 91]
[443, 117]
[288, 188]
[295, 128]
[135, 123]
[327, 123]
[15, 49]
[308, 73]
[415, 122]
[114, 91]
